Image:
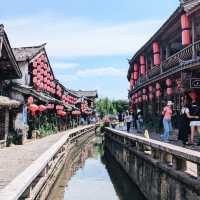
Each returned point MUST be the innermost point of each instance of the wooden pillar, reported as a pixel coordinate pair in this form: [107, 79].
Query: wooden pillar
[198, 170]
[161, 59]
[193, 38]
[6, 123]
[167, 52]
[151, 62]
[147, 68]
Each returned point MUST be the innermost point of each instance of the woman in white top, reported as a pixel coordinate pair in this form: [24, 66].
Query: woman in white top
[128, 120]
[184, 123]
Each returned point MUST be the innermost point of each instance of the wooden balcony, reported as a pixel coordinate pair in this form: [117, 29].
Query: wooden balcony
[181, 60]
[154, 71]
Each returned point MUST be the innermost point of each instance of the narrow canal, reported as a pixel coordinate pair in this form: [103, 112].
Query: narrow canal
[92, 176]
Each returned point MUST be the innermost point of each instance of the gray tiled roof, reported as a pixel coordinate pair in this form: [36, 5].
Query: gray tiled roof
[27, 53]
[89, 94]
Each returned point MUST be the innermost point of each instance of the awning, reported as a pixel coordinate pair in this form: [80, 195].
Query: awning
[7, 102]
[39, 95]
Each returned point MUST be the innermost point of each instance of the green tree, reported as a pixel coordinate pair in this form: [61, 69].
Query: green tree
[106, 106]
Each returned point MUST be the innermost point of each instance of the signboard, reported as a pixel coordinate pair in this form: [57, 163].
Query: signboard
[195, 83]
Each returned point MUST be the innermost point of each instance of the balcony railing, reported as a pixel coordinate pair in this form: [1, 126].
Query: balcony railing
[181, 57]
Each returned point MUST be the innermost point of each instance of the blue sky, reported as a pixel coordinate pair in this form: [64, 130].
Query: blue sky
[88, 41]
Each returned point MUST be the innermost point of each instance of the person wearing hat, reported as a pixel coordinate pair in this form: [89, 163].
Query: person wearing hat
[167, 124]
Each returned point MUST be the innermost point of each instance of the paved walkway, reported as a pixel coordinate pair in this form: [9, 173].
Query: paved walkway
[13, 160]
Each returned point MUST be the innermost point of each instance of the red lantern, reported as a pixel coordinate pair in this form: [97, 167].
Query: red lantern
[135, 68]
[158, 93]
[156, 48]
[144, 90]
[33, 107]
[156, 59]
[42, 108]
[185, 22]
[185, 25]
[135, 76]
[34, 64]
[150, 88]
[178, 83]
[150, 96]
[143, 71]
[34, 79]
[45, 80]
[139, 93]
[169, 91]
[144, 98]
[186, 40]
[157, 86]
[168, 82]
[34, 72]
[30, 100]
[142, 60]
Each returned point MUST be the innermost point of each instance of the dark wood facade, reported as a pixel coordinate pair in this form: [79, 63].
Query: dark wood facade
[177, 61]
[9, 70]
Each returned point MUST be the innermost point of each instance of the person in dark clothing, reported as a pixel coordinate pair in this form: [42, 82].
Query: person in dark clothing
[184, 123]
[120, 119]
[194, 110]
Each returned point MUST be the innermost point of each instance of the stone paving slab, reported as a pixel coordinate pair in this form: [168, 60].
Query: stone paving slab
[14, 160]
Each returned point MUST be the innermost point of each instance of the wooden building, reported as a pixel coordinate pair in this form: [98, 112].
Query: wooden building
[168, 65]
[9, 70]
[41, 94]
[91, 96]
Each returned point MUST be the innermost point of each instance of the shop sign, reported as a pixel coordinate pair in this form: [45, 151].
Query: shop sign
[195, 83]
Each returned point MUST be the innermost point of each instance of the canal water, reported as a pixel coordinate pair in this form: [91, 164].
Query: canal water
[94, 176]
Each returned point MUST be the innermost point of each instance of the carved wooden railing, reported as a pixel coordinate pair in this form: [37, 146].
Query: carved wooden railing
[154, 71]
[182, 57]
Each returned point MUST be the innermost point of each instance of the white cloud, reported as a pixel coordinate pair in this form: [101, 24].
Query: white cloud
[75, 37]
[102, 71]
[64, 65]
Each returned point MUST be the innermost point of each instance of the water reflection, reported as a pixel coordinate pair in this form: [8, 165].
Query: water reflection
[94, 177]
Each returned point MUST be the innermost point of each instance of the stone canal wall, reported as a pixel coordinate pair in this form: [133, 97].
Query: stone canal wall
[162, 171]
[36, 181]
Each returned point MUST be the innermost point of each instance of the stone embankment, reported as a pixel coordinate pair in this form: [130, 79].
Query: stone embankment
[29, 171]
[162, 171]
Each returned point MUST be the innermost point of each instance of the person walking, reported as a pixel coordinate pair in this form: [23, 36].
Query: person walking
[128, 120]
[167, 124]
[139, 121]
[184, 123]
[120, 119]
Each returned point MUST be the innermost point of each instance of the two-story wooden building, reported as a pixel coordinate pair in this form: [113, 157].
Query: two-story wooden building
[168, 65]
[9, 70]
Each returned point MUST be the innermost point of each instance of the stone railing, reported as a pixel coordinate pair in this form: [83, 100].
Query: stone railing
[37, 180]
[156, 167]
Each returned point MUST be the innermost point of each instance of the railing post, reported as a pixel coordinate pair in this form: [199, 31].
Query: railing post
[198, 170]
[179, 164]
